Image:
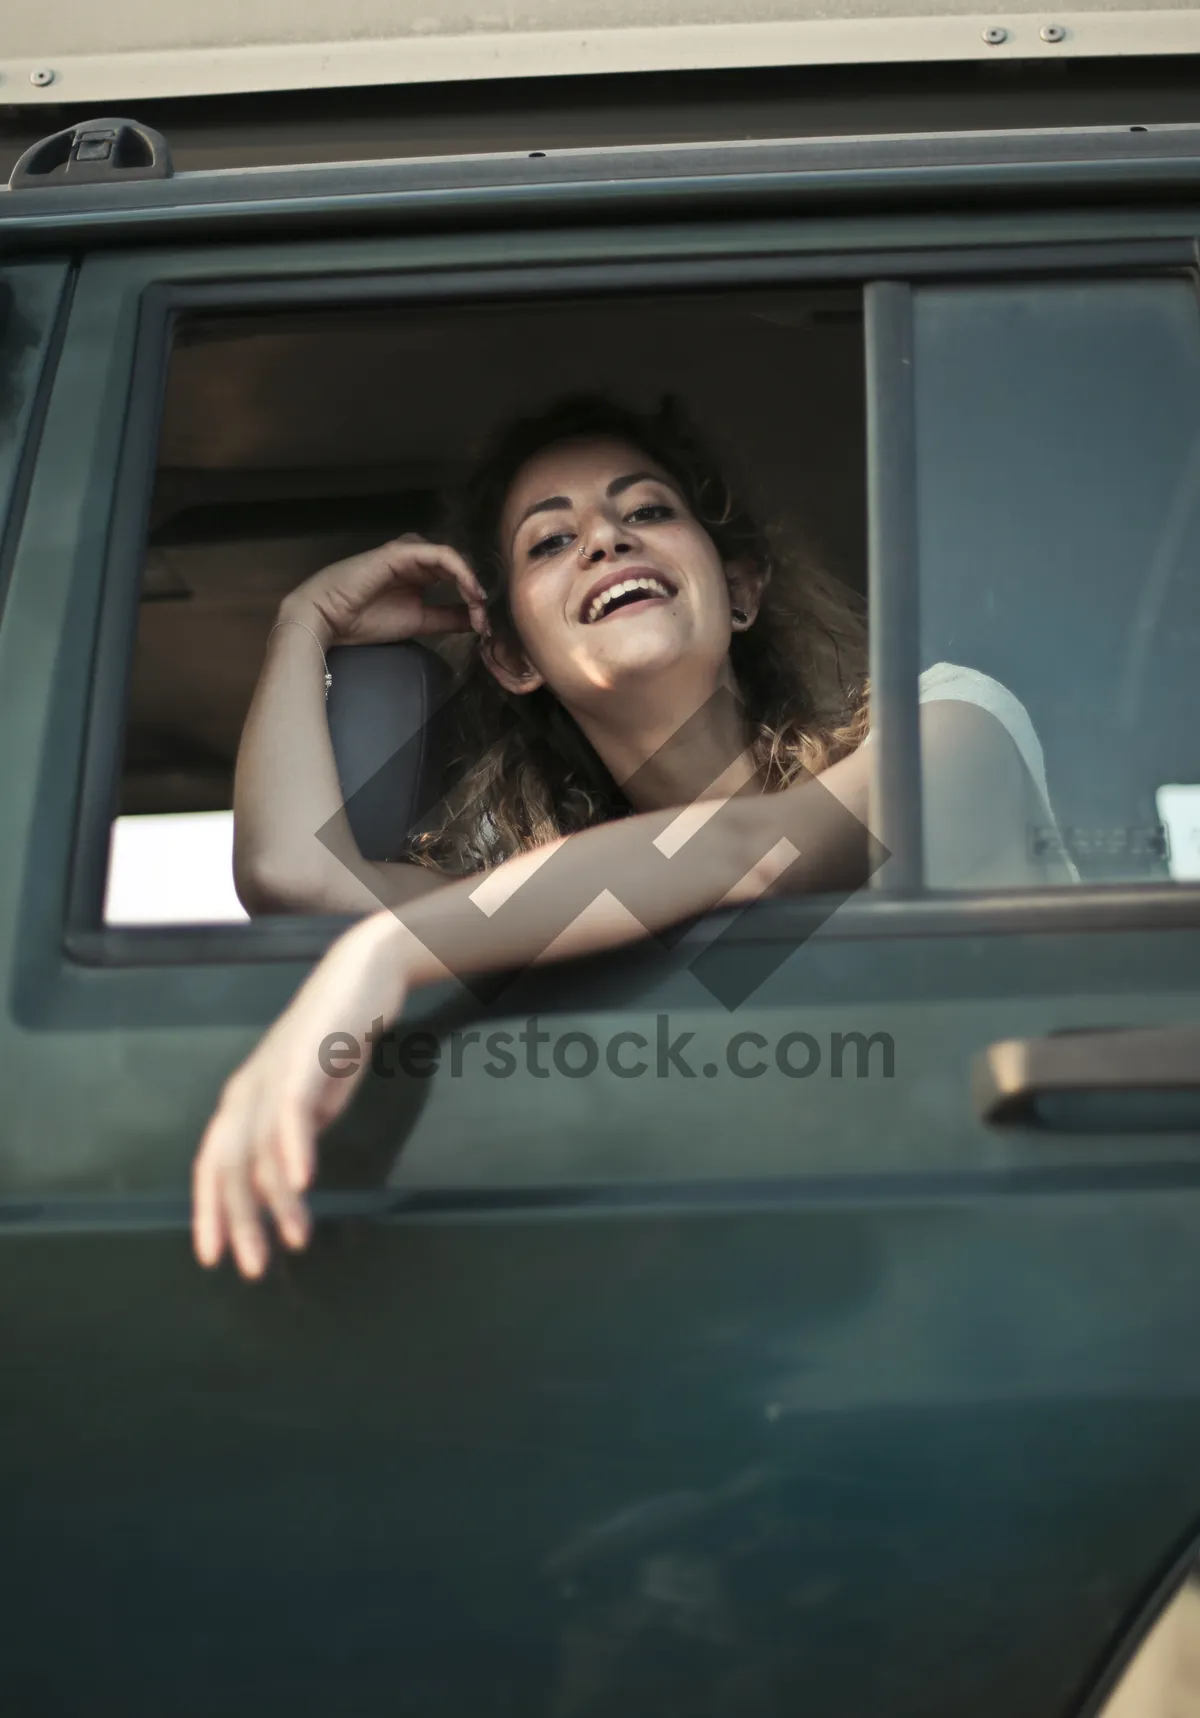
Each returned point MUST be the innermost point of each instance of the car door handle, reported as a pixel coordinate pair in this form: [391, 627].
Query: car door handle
[1093, 1080]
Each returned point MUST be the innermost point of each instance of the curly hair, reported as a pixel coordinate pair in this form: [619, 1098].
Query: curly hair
[800, 670]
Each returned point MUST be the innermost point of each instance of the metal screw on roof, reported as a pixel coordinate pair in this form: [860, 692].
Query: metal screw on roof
[41, 77]
[994, 35]
[1052, 32]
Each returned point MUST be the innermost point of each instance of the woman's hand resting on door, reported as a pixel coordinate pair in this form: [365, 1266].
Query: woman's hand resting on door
[259, 1151]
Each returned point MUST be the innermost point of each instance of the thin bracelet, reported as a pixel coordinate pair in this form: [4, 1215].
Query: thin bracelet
[312, 635]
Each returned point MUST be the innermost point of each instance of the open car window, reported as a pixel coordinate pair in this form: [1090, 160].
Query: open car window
[1022, 478]
[290, 439]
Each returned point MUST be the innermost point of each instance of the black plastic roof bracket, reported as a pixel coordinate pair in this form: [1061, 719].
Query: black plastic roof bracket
[94, 152]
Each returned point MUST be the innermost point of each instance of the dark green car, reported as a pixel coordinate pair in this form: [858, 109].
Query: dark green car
[835, 1349]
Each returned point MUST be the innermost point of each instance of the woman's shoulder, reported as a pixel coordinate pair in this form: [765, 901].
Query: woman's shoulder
[953, 681]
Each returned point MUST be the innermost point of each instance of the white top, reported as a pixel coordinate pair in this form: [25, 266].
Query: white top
[957, 684]
[949, 680]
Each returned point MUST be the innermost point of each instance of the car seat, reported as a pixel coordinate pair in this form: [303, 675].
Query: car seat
[390, 725]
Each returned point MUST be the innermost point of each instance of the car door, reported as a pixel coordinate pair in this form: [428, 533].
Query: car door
[854, 1374]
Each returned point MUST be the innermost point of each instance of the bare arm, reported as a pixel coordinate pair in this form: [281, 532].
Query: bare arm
[583, 894]
[286, 788]
[613, 885]
[622, 881]
[286, 784]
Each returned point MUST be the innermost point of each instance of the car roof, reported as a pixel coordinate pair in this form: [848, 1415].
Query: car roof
[976, 167]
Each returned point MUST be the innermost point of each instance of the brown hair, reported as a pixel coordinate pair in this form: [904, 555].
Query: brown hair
[800, 669]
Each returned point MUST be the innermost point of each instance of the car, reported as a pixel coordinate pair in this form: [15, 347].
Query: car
[841, 1356]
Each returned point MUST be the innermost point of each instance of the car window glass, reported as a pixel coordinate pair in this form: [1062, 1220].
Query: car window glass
[1058, 514]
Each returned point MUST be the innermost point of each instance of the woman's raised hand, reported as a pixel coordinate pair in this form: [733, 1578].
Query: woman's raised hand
[377, 597]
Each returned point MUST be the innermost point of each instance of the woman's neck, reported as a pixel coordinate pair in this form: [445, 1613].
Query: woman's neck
[688, 750]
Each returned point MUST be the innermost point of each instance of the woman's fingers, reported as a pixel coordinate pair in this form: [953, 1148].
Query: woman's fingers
[473, 593]
[390, 600]
[440, 559]
[246, 1237]
[272, 1183]
[297, 1148]
[445, 617]
[403, 607]
[208, 1226]
[379, 595]
[240, 1169]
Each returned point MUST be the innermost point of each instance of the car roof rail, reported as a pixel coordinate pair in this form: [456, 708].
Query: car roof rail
[94, 152]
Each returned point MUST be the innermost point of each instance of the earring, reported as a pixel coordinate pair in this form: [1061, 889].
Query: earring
[740, 617]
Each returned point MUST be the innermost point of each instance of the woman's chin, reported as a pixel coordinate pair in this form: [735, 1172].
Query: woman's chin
[638, 651]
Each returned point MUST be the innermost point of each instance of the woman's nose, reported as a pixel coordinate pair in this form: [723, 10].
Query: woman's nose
[603, 537]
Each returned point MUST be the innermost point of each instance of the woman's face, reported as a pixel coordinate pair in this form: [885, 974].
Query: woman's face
[583, 518]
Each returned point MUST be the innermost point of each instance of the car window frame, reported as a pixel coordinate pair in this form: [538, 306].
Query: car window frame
[904, 908]
[16, 472]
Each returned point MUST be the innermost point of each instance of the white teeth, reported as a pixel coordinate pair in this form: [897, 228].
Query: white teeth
[654, 586]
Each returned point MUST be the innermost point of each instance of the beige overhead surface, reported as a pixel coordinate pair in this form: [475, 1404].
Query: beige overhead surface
[74, 50]
[79, 27]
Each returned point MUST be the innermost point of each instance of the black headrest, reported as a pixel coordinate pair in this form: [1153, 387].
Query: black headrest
[390, 734]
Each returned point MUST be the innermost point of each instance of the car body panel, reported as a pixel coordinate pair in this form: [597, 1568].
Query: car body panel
[741, 1392]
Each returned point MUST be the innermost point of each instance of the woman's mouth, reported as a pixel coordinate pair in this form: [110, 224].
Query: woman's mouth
[621, 591]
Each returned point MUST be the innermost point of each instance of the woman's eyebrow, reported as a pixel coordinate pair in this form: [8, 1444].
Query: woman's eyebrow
[620, 483]
[550, 505]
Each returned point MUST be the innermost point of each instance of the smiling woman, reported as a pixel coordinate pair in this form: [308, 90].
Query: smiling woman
[640, 644]
[711, 652]
[643, 679]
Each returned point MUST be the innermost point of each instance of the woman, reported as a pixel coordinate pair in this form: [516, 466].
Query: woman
[646, 689]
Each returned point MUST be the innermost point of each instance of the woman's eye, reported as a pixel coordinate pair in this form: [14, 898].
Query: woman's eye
[551, 545]
[652, 510]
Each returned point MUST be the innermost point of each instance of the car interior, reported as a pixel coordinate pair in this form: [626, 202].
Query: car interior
[292, 438]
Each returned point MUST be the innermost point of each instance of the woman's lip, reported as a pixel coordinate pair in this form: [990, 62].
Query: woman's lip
[618, 576]
[627, 608]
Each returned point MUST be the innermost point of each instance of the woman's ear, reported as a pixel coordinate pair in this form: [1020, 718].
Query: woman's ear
[509, 667]
[747, 581]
